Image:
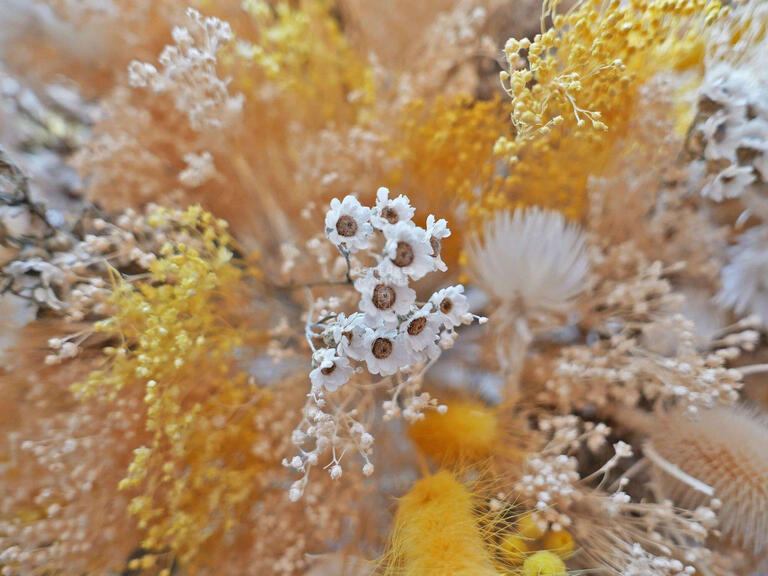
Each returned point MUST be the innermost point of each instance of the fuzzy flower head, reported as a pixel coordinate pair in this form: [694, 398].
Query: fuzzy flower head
[382, 300]
[389, 212]
[437, 230]
[451, 305]
[347, 224]
[532, 258]
[407, 253]
[331, 372]
[745, 278]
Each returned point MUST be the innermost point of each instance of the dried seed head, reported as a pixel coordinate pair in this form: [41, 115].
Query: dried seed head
[384, 297]
[382, 348]
[417, 325]
[446, 306]
[346, 226]
[403, 255]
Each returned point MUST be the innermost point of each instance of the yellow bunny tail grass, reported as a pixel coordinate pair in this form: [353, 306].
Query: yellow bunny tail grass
[436, 532]
[469, 432]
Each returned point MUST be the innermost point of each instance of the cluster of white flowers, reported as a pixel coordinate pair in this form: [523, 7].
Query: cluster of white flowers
[731, 133]
[643, 563]
[550, 481]
[390, 331]
[626, 370]
[188, 73]
[391, 334]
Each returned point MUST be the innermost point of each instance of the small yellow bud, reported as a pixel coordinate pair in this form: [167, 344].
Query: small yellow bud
[558, 541]
[514, 548]
[544, 564]
[527, 527]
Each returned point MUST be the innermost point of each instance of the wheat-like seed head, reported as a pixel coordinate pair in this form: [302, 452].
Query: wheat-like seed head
[727, 449]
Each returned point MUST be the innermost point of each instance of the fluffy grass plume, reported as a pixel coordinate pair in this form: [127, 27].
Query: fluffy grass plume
[436, 532]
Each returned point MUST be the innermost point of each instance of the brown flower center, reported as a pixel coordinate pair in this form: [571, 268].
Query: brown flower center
[384, 296]
[346, 226]
[403, 255]
[436, 246]
[417, 326]
[349, 335]
[382, 348]
[446, 306]
[328, 370]
[389, 214]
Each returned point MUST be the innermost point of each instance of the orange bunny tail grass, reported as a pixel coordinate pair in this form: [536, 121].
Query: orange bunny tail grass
[468, 433]
[726, 449]
[436, 532]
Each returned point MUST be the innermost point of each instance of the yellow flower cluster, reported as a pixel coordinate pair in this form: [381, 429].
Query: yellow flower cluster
[177, 342]
[573, 90]
[528, 543]
[301, 49]
[444, 153]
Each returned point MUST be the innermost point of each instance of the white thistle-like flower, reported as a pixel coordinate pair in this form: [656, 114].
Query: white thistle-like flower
[385, 351]
[383, 300]
[350, 332]
[406, 253]
[347, 223]
[332, 371]
[745, 278]
[391, 211]
[437, 230]
[451, 305]
[533, 259]
[421, 329]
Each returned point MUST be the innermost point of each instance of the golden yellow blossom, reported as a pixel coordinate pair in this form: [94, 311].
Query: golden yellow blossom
[302, 50]
[574, 88]
[177, 340]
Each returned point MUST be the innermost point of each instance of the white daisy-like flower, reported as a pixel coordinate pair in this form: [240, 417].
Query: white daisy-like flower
[385, 351]
[745, 278]
[451, 306]
[421, 328]
[388, 212]
[347, 224]
[533, 259]
[331, 372]
[437, 230]
[383, 300]
[349, 332]
[729, 183]
[406, 253]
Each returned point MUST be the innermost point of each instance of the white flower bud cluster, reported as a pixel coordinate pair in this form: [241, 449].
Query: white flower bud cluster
[188, 73]
[390, 335]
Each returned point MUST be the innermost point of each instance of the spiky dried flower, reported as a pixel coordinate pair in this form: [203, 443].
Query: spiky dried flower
[726, 449]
